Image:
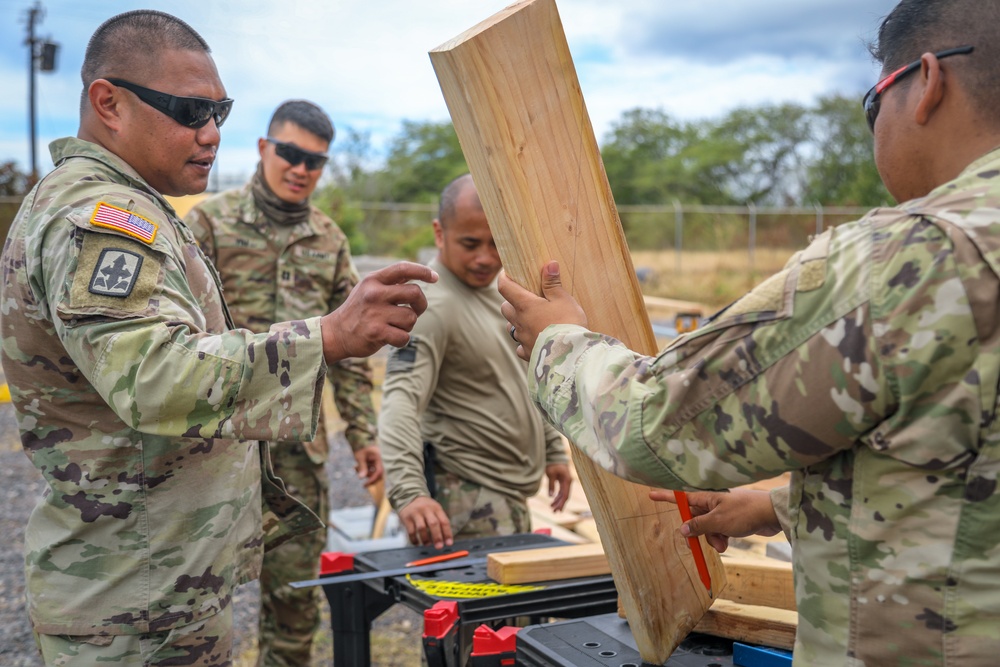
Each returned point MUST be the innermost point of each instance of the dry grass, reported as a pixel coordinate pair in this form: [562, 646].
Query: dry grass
[714, 279]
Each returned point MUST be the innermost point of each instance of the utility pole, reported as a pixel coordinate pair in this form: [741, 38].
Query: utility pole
[41, 56]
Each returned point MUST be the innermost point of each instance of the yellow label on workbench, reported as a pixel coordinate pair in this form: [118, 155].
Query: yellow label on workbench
[462, 590]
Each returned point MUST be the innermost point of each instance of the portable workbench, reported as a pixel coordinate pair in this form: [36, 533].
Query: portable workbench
[476, 598]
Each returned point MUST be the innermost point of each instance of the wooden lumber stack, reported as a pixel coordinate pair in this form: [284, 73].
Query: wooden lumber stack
[757, 606]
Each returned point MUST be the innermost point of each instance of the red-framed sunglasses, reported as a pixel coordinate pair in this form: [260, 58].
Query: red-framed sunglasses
[873, 98]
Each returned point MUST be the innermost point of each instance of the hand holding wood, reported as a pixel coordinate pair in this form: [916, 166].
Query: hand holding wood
[529, 314]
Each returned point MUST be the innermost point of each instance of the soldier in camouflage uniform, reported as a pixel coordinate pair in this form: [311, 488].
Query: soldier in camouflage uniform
[279, 259]
[458, 391]
[869, 368]
[137, 402]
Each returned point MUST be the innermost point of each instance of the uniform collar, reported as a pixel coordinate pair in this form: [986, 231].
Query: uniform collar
[73, 147]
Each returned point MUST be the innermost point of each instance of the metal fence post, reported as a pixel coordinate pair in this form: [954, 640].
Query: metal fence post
[752, 211]
[819, 219]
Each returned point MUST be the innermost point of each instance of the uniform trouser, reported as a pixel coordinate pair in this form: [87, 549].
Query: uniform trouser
[207, 643]
[289, 617]
[476, 511]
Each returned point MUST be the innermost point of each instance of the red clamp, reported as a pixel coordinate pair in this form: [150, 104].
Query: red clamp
[494, 648]
[335, 562]
[441, 633]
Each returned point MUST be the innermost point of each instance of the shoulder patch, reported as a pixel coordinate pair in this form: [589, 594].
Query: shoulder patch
[116, 272]
[401, 359]
[126, 222]
[114, 276]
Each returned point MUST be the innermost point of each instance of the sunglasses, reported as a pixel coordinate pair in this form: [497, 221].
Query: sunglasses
[295, 156]
[193, 112]
[873, 98]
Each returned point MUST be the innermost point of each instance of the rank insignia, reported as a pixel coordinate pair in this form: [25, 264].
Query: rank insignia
[127, 222]
[116, 272]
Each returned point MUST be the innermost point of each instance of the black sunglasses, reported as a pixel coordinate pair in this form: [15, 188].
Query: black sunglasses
[295, 156]
[873, 98]
[194, 112]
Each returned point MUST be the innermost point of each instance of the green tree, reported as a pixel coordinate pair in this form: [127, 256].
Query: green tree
[422, 159]
[755, 154]
[842, 169]
[644, 156]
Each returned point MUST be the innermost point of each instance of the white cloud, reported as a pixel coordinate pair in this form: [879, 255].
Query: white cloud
[366, 62]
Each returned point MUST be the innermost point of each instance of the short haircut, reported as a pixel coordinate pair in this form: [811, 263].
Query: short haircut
[915, 27]
[306, 115]
[128, 46]
[449, 198]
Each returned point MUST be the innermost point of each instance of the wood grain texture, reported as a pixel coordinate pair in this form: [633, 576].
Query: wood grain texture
[766, 626]
[516, 103]
[759, 581]
[547, 564]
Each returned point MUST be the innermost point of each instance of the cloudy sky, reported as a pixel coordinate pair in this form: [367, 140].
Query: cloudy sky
[366, 63]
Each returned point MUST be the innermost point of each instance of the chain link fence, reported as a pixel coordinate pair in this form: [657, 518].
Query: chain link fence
[705, 254]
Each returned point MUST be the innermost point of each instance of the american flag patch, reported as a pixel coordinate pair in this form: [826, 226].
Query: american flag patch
[124, 221]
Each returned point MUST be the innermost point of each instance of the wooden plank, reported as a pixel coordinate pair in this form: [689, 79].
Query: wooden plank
[540, 507]
[557, 531]
[672, 306]
[756, 581]
[763, 582]
[748, 623]
[588, 528]
[547, 564]
[519, 113]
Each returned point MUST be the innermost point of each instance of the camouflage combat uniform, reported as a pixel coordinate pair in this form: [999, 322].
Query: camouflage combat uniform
[140, 410]
[869, 368]
[272, 272]
[459, 386]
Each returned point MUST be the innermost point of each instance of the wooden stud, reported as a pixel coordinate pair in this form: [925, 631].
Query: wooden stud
[763, 582]
[766, 626]
[547, 564]
[519, 113]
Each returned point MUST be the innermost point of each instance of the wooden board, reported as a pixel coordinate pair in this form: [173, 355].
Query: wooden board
[547, 564]
[766, 626]
[760, 582]
[763, 582]
[519, 113]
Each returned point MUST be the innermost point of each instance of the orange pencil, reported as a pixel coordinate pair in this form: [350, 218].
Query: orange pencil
[694, 542]
[437, 559]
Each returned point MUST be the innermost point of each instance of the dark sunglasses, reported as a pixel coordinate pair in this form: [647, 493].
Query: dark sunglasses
[194, 112]
[295, 156]
[873, 98]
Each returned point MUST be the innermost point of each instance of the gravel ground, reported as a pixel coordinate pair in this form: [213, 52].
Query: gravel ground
[395, 636]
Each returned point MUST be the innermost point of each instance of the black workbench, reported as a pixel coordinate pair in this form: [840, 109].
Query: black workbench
[354, 605]
[606, 641]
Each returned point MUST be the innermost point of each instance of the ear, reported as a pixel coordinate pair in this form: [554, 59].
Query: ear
[106, 103]
[438, 234]
[932, 88]
[261, 145]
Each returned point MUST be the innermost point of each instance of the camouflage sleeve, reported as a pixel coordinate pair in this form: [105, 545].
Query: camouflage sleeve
[166, 378]
[152, 357]
[779, 501]
[555, 446]
[788, 376]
